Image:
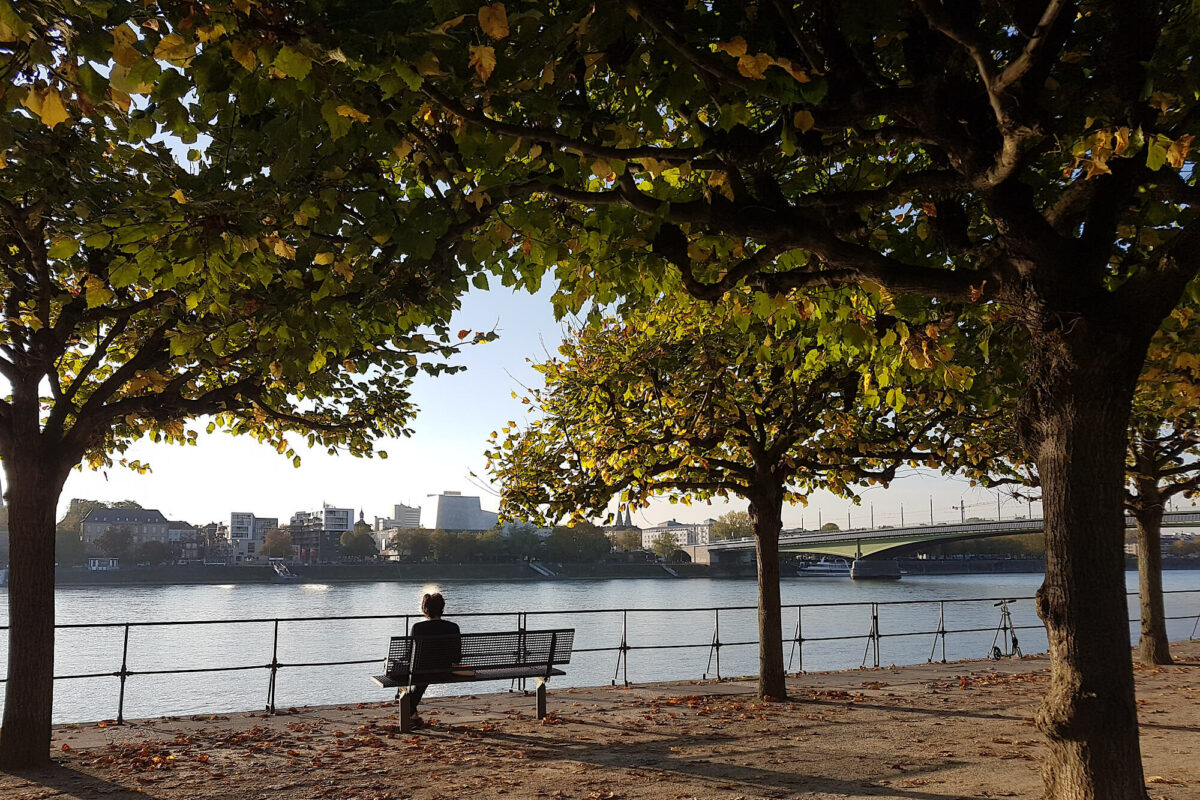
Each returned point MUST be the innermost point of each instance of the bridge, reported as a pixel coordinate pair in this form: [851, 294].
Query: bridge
[863, 543]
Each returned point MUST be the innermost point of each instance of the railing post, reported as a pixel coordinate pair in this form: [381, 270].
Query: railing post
[715, 648]
[124, 673]
[941, 633]
[623, 650]
[873, 636]
[798, 641]
[522, 621]
[274, 666]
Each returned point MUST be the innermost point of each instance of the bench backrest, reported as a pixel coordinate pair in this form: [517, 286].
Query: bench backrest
[409, 654]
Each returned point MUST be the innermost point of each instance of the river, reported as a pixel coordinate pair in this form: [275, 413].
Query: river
[656, 616]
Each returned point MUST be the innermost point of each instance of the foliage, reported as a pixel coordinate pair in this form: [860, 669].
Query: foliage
[688, 401]
[1164, 430]
[731, 525]
[627, 539]
[830, 526]
[116, 542]
[277, 544]
[664, 545]
[413, 543]
[359, 544]
[78, 510]
[153, 551]
[1186, 547]
[580, 543]
[69, 547]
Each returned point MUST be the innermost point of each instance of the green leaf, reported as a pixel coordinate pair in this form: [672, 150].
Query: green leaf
[63, 247]
[293, 63]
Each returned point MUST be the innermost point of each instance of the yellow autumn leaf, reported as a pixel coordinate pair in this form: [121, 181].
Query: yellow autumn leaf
[243, 53]
[735, 47]
[803, 121]
[1122, 140]
[450, 23]
[754, 66]
[483, 61]
[123, 50]
[353, 113]
[1176, 153]
[322, 259]
[283, 249]
[601, 169]
[494, 21]
[175, 50]
[53, 110]
[790, 67]
[97, 292]
[179, 196]
[547, 75]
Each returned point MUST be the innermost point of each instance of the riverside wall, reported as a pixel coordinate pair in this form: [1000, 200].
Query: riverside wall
[342, 573]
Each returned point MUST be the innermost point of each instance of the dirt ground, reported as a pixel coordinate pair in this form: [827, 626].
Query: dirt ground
[917, 733]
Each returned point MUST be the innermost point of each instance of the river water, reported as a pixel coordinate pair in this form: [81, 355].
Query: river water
[658, 612]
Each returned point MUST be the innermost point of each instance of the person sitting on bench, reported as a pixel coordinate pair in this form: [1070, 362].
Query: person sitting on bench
[439, 653]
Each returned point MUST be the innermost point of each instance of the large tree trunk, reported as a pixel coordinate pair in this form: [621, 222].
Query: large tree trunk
[1153, 646]
[34, 484]
[1073, 423]
[766, 516]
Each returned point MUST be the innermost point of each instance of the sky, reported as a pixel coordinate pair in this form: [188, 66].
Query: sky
[223, 473]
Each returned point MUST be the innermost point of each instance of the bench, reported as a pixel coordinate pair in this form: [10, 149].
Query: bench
[473, 657]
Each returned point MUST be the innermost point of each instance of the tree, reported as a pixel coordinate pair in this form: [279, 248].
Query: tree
[359, 544]
[628, 539]
[191, 226]
[154, 551]
[78, 510]
[580, 543]
[1032, 158]
[1163, 461]
[116, 542]
[277, 544]
[733, 525]
[68, 547]
[664, 545]
[525, 542]
[688, 402]
[830, 526]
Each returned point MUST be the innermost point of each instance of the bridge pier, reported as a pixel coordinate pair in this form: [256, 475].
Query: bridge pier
[867, 569]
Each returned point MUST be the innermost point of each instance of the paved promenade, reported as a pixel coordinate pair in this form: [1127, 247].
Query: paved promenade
[915, 733]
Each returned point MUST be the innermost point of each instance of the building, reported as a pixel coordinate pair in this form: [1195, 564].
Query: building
[312, 542]
[337, 519]
[247, 533]
[143, 524]
[402, 517]
[453, 511]
[103, 564]
[685, 534]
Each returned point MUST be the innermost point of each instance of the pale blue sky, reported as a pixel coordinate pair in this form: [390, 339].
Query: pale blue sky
[223, 473]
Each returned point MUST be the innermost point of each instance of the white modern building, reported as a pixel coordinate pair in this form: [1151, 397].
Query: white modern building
[337, 519]
[247, 532]
[453, 511]
[686, 534]
[402, 517]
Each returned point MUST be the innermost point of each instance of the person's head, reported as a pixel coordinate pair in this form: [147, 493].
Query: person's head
[432, 605]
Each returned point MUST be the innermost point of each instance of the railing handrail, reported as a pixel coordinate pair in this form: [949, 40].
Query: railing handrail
[549, 612]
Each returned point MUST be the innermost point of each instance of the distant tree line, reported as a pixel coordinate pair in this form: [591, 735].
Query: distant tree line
[581, 543]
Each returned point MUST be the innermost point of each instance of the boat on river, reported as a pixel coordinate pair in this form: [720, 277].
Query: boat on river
[825, 568]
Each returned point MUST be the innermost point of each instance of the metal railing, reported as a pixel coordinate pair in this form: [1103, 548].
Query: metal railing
[873, 638]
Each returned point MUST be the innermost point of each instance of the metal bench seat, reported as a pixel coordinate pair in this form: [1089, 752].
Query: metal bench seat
[474, 657]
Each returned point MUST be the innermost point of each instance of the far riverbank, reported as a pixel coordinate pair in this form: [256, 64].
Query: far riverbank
[371, 573]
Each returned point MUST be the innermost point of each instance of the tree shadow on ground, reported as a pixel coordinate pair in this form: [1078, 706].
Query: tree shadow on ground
[669, 758]
[72, 783]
